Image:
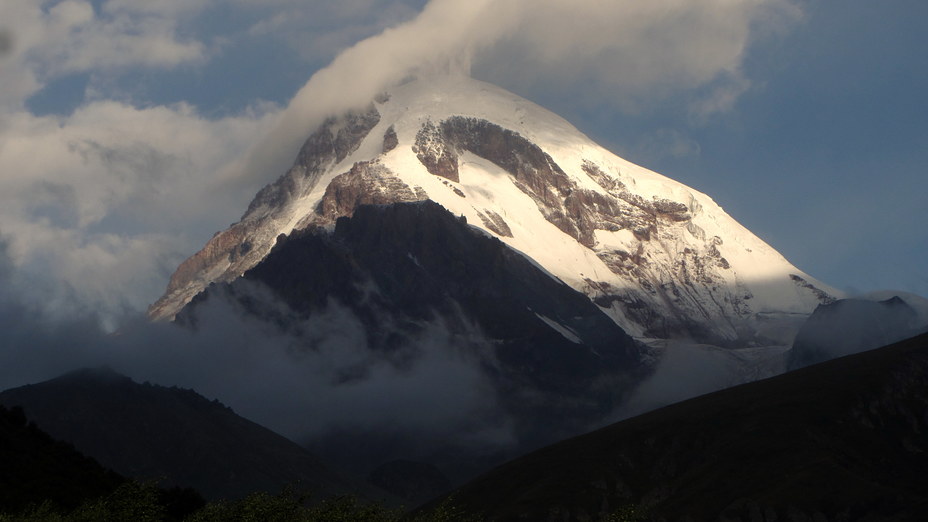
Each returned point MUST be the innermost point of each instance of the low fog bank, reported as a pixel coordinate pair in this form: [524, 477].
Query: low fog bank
[686, 370]
[854, 325]
[435, 398]
[263, 375]
[337, 396]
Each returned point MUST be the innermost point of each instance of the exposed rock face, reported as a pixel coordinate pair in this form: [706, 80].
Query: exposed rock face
[822, 296]
[324, 149]
[230, 252]
[434, 151]
[390, 141]
[367, 183]
[495, 222]
[535, 172]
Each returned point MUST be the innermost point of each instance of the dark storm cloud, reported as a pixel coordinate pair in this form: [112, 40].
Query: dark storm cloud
[34, 345]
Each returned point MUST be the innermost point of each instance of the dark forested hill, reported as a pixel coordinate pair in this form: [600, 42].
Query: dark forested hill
[842, 440]
[35, 467]
[174, 435]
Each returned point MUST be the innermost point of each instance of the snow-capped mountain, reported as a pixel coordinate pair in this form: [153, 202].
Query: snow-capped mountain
[661, 259]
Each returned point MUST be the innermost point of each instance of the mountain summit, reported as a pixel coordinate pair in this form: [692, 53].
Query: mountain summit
[661, 259]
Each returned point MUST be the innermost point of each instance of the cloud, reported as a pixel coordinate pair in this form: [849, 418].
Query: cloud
[6, 41]
[304, 388]
[664, 143]
[72, 37]
[442, 33]
[617, 53]
[75, 38]
[167, 8]
[625, 53]
[318, 34]
[687, 370]
[36, 344]
[338, 383]
[721, 96]
[108, 200]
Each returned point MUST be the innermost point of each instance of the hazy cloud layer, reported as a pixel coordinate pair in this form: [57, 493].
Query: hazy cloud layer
[303, 390]
[320, 33]
[6, 42]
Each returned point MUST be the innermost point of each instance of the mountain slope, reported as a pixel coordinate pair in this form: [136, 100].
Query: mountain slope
[662, 259]
[36, 468]
[850, 326]
[410, 289]
[151, 432]
[842, 440]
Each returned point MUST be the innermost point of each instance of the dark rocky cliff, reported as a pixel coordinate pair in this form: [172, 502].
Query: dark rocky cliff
[556, 363]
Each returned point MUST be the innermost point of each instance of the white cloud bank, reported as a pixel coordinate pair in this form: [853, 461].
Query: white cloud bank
[49, 40]
[103, 200]
[615, 53]
[97, 205]
[106, 200]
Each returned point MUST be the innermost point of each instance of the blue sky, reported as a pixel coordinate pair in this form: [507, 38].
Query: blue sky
[131, 131]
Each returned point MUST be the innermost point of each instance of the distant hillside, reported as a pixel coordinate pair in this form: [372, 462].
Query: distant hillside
[35, 467]
[842, 440]
[147, 431]
[849, 326]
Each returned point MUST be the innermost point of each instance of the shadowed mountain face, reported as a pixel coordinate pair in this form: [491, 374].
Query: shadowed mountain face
[152, 432]
[411, 279]
[850, 326]
[842, 440]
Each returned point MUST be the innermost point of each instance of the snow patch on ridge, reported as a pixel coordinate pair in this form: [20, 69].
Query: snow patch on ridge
[568, 334]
